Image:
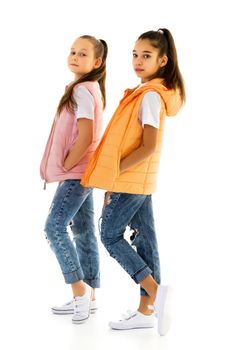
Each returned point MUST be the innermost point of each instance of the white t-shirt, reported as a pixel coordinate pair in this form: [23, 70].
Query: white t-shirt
[149, 112]
[150, 109]
[85, 103]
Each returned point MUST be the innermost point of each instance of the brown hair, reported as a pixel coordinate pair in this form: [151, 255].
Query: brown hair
[170, 73]
[99, 74]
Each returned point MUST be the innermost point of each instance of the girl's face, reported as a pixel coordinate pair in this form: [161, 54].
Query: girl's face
[81, 59]
[146, 61]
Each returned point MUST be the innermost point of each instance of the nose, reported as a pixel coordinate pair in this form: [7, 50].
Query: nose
[138, 61]
[74, 58]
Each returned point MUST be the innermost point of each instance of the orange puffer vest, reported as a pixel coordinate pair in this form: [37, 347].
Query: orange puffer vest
[122, 136]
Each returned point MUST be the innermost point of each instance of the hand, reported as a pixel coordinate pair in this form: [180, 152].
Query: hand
[120, 167]
[67, 165]
[106, 198]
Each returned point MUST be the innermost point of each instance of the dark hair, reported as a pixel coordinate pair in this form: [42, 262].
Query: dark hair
[170, 73]
[99, 74]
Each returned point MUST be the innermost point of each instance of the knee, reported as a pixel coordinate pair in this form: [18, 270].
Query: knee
[50, 229]
[82, 228]
[49, 224]
[105, 238]
[108, 239]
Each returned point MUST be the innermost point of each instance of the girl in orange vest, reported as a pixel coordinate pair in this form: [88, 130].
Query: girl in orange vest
[126, 165]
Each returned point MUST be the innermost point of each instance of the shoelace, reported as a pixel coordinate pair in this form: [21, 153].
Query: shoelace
[79, 306]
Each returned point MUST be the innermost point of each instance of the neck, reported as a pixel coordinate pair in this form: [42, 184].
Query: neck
[77, 76]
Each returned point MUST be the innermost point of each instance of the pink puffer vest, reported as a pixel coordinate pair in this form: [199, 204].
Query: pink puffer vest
[62, 137]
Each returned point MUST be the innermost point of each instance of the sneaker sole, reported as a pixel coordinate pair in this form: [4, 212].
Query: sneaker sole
[69, 312]
[132, 327]
[80, 321]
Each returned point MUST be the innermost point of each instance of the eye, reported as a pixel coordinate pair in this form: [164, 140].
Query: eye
[72, 53]
[146, 56]
[81, 54]
[135, 55]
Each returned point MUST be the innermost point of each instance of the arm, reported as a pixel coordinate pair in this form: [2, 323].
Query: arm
[147, 147]
[84, 140]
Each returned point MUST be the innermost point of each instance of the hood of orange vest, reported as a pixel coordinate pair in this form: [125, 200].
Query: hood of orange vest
[171, 98]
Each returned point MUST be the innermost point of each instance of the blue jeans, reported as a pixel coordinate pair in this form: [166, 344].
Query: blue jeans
[73, 205]
[136, 211]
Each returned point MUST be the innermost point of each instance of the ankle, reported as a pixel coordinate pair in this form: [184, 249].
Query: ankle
[93, 294]
[145, 301]
[150, 285]
[79, 289]
[145, 311]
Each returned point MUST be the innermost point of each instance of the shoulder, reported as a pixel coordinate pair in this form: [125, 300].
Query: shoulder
[151, 96]
[91, 87]
[151, 99]
[82, 92]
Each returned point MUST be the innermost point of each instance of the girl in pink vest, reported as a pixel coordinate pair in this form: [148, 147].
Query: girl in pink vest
[74, 136]
[134, 137]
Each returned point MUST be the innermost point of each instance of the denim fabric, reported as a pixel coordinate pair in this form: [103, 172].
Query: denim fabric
[135, 211]
[79, 260]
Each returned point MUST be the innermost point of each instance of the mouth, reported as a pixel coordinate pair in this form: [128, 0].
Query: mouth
[72, 64]
[139, 70]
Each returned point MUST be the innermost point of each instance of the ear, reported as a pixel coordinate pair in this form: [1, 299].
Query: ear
[98, 62]
[163, 61]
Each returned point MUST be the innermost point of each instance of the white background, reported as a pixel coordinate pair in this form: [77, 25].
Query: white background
[193, 205]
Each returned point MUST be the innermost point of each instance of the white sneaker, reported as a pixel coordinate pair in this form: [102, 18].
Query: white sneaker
[68, 308]
[162, 307]
[134, 320]
[82, 306]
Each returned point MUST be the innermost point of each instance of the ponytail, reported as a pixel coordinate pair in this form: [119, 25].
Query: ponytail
[102, 79]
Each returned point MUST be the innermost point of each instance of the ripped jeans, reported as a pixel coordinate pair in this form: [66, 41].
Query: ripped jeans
[135, 211]
[78, 259]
